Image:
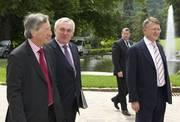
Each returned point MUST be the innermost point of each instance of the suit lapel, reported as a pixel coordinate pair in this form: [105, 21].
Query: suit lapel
[34, 61]
[122, 42]
[59, 52]
[47, 57]
[130, 42]
[147, 54]
[73, 50]
[162, 54]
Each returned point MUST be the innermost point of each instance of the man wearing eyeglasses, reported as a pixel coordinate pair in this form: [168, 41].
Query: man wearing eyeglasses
[147, 75]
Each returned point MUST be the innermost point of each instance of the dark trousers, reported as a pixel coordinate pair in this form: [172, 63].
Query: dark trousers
[156, 114]
[71, 115]
[51, 114]
[122, 93]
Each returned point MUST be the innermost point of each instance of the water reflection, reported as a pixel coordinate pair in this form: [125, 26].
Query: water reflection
[97, 63]
[103, 63]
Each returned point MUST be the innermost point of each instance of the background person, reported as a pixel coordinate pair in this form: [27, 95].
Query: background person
[119, 56]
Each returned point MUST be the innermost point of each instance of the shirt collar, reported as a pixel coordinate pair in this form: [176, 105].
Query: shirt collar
[60, 44]
[34, 47]
[147, 41]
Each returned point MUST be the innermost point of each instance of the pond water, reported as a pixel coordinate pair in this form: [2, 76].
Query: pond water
[103, 63]
[97, 63]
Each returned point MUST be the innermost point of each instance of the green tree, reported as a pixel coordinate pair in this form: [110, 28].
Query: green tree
[12, 13]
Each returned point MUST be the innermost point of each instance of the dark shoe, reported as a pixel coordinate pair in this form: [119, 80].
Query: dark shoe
[115, 104]
[126, 113]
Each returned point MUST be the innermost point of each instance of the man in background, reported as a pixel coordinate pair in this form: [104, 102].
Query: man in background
[119, 56]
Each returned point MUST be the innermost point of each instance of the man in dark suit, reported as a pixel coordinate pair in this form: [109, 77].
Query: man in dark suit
[31, 91]
[67, 67]
[119, 56]
[147, 75]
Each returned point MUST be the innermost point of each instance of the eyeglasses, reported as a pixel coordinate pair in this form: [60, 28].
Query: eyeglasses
[156, 29]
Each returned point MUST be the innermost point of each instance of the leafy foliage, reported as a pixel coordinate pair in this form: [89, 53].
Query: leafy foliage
[99, 19]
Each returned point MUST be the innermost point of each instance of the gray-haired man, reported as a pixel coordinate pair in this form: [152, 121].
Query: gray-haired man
[31, 91]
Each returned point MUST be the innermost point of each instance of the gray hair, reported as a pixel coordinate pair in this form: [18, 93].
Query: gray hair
[33, 21]
[150, 20]
[64, 19]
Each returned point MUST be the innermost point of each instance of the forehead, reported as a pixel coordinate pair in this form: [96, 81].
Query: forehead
[125, 32]
[45, 25]
[152, 24]
[65, 24]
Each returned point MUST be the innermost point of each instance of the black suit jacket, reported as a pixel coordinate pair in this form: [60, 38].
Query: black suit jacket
[69, 84]
[27, 92]
[142, 77]
[119, 56]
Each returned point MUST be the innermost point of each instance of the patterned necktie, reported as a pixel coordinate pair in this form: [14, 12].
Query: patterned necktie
[67, 54]
[159, 66]
[46, 74]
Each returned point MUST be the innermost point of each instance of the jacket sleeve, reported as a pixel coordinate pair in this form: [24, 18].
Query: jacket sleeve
[116, 52]
[14, 90]
[132, 65]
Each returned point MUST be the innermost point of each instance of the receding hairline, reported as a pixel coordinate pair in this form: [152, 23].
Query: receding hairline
[62, 20]
[150, 20]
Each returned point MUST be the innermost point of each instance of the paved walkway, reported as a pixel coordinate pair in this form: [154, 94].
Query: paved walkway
[101, 108]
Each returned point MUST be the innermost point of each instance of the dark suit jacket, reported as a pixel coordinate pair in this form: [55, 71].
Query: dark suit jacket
[68, 84]
[27, 92]
[119, 56]
[142, 77]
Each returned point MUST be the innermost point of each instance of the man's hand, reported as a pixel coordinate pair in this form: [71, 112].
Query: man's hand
[120, 74]
[135, 106]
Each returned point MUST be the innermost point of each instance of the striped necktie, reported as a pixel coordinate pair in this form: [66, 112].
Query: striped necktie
[159, 66]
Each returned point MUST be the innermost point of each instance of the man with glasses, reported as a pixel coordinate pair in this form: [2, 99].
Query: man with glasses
[147, 75]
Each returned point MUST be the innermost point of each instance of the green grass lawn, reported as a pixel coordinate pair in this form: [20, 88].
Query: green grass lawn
[110, 81]
[99, 81]
[177, 43]
[2, 70]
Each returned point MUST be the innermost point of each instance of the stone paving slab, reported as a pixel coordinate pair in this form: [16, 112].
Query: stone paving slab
[101, 108]
[3, 103]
